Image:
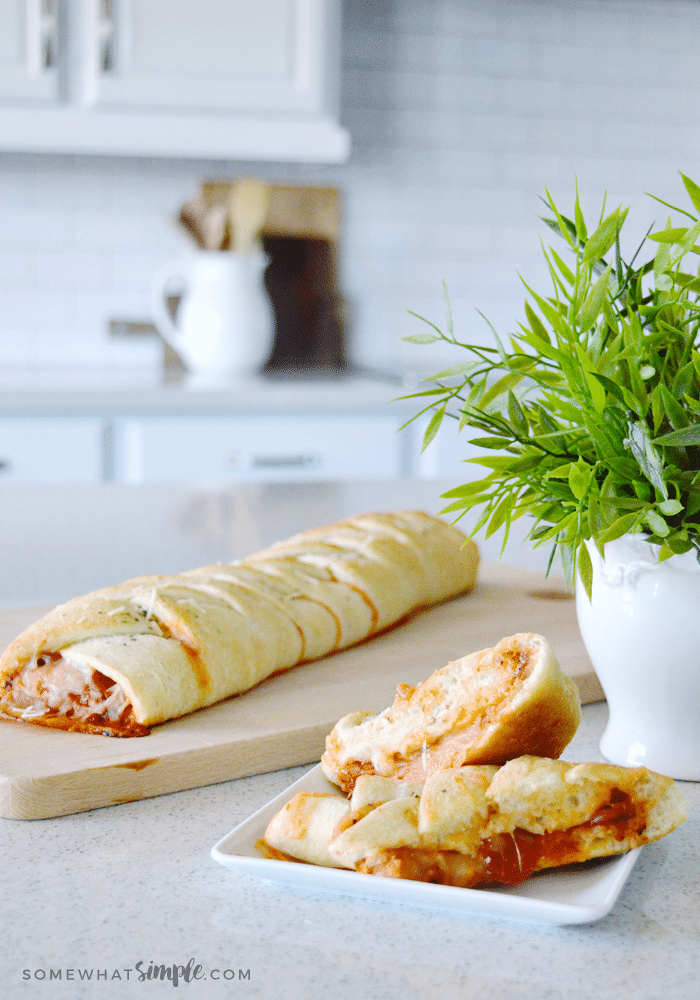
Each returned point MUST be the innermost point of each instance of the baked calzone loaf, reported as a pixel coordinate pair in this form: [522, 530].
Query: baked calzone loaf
[118, 660]
[479, 825]
[484, 708]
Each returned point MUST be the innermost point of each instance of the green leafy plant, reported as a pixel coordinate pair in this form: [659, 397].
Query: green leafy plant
[593, 404]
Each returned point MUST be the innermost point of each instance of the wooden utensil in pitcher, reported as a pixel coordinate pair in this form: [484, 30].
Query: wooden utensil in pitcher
[248, 205]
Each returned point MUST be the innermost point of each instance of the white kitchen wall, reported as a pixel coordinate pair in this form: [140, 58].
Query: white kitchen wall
[460, 111]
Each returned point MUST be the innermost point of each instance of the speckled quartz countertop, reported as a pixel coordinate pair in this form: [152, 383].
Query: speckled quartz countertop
[100, 891]
[106, 889]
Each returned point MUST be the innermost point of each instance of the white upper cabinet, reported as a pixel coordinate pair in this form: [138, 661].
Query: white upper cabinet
[231, 79]
[28, 50]
[224, 55]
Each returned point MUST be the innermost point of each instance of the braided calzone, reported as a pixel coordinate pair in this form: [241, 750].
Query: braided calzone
[118, 660]
[479, 824]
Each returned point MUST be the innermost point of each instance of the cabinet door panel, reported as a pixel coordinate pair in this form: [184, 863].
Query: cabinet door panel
[51, 451]
[257, 448]
[215, 55]
[28, 50]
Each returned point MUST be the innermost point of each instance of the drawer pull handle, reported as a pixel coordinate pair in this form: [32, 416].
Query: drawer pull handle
[240, 460]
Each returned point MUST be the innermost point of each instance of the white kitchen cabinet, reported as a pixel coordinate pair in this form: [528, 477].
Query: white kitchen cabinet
[28, 50]
[260, 448]
[229, 55]
[51, 451]
[197, 78]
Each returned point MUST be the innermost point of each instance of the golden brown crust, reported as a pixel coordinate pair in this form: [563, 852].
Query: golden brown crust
[487, 707]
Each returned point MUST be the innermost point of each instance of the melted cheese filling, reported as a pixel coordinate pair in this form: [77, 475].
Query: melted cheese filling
[508, 858]
[52, 691]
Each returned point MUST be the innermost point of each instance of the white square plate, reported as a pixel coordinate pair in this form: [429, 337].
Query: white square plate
[576, 894]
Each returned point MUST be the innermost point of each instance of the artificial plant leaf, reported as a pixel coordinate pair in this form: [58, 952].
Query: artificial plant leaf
[656, 523]
[581, 231]
[441, 335]
[499, 516]
[500, 387]
[433, 426]
[670, 507]
[558, 528]
[594, 301]
[491, 442]
[561, 472]
[579, 480]
[596, 390]
[448, 308]
[683, 381]
[692, 189]
[612, 387]
[517, 416]
[566, 227]
[603, 238]
[684, 438]
[536, 325]
[424, 392]
[463, 369]
[674, 411]
[597, 521]
[468, 489]
[585, 568]
[668, 205]
[421, 338]
[646, 455]
[668, 235]
[522, 363]
[688, 241]
[567, 273]
[618, 528]
[466, 503]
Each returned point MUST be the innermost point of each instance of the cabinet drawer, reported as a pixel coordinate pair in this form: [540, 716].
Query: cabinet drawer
[51, 451]
[257, 448]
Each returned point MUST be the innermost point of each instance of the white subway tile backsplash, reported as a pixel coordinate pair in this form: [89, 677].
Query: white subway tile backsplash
[16, 348]
[25, 229]
[461, 110]
[429, 51]
[370, 47]
[22, 307]
[102, 229]
[74, 186]
[498, 56]
[71, 270]
[16, 268]
[467, 91]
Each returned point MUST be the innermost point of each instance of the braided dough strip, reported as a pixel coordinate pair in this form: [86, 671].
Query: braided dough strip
[121, 659]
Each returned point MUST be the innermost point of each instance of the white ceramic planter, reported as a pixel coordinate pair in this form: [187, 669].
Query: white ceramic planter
[642, 633]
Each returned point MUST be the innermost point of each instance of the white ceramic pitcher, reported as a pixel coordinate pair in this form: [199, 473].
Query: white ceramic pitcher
[225, 323]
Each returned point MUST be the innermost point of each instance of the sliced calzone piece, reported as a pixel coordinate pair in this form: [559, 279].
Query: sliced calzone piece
[303, 829]
[480, 825]
[485, 708]
[121, 659]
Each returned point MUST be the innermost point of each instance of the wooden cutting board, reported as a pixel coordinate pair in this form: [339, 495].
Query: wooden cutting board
[284, 721]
